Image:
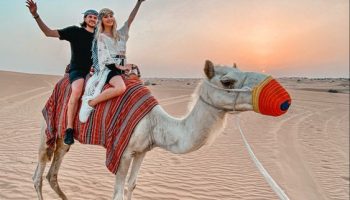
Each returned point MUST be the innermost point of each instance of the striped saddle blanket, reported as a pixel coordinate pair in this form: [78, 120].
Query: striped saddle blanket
[110, 124]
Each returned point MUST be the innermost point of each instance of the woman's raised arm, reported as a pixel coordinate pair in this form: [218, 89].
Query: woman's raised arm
[134, 12]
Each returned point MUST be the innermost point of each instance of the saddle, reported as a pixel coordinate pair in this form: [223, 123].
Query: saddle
[111, 123]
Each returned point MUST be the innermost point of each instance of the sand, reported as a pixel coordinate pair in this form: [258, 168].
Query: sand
[306, 151]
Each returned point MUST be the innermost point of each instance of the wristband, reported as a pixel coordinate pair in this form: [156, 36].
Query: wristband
[36, 16]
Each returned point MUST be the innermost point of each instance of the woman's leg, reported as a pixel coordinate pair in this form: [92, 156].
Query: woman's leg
[77, 89]
[118, 88]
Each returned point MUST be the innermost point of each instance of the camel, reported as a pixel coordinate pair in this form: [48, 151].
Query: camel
[224, 90]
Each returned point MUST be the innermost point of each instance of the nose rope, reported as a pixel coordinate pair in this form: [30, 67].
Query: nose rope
[275, 187]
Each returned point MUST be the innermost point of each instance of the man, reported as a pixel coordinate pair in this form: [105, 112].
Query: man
[80, 39]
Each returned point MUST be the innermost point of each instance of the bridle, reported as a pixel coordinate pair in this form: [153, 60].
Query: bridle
[240, 89]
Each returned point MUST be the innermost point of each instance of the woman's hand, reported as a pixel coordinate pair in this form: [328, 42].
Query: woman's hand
[130, 69]
[125, 68]
[33, 8]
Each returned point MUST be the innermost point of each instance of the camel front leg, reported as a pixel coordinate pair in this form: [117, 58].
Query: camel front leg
[45, 154]
[121, 176]
[136, 165]
[60, 151]
[38, 179]
[39, 171]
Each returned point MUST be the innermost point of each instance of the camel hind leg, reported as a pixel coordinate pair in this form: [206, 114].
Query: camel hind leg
[45, 154]
[59, 153]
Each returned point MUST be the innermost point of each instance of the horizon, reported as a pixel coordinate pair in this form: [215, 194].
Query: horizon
[303, 38]
[281, 77]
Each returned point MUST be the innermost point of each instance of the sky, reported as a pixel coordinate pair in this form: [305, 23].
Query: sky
[173, 38]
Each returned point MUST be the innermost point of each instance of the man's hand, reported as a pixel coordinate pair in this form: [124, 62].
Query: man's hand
[33, 8]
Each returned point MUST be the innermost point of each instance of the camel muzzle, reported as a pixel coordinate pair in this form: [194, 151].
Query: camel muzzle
[270, 98]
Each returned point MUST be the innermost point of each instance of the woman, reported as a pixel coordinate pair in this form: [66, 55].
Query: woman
[109, 50]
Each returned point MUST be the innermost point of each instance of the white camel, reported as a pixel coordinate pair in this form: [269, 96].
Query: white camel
[224, 90]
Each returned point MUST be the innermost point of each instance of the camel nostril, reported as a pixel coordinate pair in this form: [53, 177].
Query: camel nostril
[285, 105]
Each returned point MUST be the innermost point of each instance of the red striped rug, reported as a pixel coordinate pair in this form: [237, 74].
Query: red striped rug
[110, 124]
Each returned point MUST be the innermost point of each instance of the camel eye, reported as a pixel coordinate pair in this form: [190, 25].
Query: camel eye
[228, 83]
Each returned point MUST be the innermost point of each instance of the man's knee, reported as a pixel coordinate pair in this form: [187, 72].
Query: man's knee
[77, 88]
[75, 95]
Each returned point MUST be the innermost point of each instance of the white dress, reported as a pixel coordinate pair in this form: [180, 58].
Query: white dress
[107, 50]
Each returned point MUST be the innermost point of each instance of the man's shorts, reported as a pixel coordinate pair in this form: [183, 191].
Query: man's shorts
[76, 74]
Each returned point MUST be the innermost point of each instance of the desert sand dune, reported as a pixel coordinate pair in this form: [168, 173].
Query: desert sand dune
[306, 151]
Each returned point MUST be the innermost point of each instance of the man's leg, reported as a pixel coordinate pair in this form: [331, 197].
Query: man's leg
[77, 89]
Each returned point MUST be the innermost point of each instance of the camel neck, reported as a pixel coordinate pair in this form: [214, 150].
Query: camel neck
[190, 133]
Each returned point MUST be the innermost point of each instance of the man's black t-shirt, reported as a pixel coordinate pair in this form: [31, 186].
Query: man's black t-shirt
[80, 42]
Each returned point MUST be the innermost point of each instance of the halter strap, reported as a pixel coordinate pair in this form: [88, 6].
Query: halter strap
[211, 105]
[244, 89]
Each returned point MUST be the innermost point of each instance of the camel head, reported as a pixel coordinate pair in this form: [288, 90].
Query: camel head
[228, 88]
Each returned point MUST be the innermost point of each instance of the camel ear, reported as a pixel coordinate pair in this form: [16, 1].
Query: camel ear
[209, 69]
[234, 65]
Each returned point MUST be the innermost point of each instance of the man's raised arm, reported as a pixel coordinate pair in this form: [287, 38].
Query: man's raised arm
[33, 9]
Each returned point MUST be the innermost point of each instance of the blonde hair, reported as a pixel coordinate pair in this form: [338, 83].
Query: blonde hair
[100, 28]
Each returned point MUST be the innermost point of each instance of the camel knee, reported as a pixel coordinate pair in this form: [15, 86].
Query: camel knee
[45, 154]
[52, 179]
[38, 182]
[37, 177]
[44, 157]
[132, 187]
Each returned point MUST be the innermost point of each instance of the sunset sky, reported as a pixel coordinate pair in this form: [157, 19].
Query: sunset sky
[172, 38]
